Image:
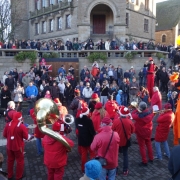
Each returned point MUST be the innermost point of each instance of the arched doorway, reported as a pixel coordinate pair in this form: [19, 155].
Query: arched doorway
[101, 19]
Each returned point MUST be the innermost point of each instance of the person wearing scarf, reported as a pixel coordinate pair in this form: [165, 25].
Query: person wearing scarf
[15, 132]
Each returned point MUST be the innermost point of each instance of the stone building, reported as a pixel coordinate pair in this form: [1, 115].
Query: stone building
[81, 19]
[168, 22]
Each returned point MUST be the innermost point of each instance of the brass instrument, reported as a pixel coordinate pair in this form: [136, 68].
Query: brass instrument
[69, 119]
[45, 109]
[162, 111]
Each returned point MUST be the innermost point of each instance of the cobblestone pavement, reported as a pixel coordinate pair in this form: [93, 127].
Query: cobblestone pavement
[35, 169]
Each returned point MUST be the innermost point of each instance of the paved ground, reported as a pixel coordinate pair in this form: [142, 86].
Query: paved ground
[35, 170]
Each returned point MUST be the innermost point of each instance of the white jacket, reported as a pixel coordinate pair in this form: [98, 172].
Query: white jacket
[87, 92]
[107, 45]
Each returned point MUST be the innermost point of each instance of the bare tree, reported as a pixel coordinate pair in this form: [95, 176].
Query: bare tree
[10, 18]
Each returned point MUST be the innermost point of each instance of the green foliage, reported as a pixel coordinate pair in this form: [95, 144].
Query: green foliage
[160, 55]
[22, 56]
[130, 55]
[97, 56]
[50, 55]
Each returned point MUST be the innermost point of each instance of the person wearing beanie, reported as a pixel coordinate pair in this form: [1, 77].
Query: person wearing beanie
[94, 99]
[15, 132]
[55, 154]
[165, 121]
[100, 143]
[75, 103]
[98, 114]
[86, 134]
[111, 107]
[93, 169]
[37, 133]
[143, 128]
[120, 124]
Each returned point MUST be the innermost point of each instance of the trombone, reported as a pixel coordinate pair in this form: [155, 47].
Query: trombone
[162, 111]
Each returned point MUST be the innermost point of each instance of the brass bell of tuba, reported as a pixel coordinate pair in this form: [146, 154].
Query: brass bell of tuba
[69, 119]
[47, 113]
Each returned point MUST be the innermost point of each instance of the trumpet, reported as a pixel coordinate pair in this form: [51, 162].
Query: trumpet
[162, 111]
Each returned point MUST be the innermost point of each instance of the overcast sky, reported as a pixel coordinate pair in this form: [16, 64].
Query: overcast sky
[160, 1]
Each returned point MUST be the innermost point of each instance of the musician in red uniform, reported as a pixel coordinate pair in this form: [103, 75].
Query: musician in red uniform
[55, 154]
[15, 132]
[150, 76]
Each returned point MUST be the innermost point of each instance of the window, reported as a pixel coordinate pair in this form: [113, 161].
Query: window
[44, 27]
[163, 38]
[51, 1]
[146, 25]
[68, 21]
[37, 4]
[146, 4]
[59, 22]
[36, 28]
[137, 2]
[43, 3]
[127, 19]
[51, 25]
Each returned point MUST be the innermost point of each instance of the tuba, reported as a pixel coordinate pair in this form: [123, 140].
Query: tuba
[69, 119]
[47, 112]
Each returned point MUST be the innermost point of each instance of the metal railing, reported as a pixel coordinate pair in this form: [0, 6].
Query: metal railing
[83, 53]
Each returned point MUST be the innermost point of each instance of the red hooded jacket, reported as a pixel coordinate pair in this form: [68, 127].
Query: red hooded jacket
[156, 99]
[55, 153]
[37, 132]
[111, 107]
[128, 126]
[143, 123]
[164, 121]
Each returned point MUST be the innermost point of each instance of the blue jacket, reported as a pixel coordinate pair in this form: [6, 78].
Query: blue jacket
[31, 91]
[61, 70]
[119, 97]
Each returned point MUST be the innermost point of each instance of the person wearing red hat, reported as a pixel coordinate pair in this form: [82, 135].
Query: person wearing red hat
[143, 129]
[62, 109]
[111, 107]
[107, 140]
[124, 127]
[150, 75]
[15, 132]
[165, 121]
[98, 114]
[86, 134]
[37, 133]
[55, 154]
[94, 99]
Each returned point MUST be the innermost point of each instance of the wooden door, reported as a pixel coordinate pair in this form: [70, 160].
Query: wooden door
[99, 24]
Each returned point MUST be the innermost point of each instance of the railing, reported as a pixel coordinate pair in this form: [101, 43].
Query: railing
[83, 53]
[51, 8]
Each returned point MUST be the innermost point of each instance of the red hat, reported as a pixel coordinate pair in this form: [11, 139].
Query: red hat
[76, 90]
[167, 106]
[56, 126]
[94, 96]
[106, 120]
[124, 111]
[57, 101]
[84, 111]
[150, 59]
[98, 105]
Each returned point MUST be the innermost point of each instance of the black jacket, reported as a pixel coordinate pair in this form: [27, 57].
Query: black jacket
[9, 82]
[164, 78]
[54, 92]
[104, 91]
[69, 93]
[124, 87]
[86, 131]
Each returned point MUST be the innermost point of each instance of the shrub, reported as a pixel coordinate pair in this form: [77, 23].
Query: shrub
[50, 55]
[97, 56]
[160, 55]
[130, 55]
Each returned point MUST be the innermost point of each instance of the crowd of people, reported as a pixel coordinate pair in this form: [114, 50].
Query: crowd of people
[108, 105]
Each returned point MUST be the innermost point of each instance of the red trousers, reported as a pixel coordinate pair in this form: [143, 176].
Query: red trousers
[84, 153]
[143, 144]
[55, 173]
[19, 157]
[150, 84]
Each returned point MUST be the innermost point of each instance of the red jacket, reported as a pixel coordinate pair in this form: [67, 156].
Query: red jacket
[100, 144]
[55, 153]
[128, 126]
[156, 99]
[20, 133]
[37, 132]
[164, 121]
[96, 119]
[143, 123]
[111, 107]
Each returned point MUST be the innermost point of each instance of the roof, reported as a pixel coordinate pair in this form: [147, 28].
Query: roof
[167, 14]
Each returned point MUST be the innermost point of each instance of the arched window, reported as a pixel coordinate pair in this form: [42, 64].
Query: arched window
[164, 38]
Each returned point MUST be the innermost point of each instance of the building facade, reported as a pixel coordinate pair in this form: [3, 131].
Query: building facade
[168, 22]
[81, 19]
